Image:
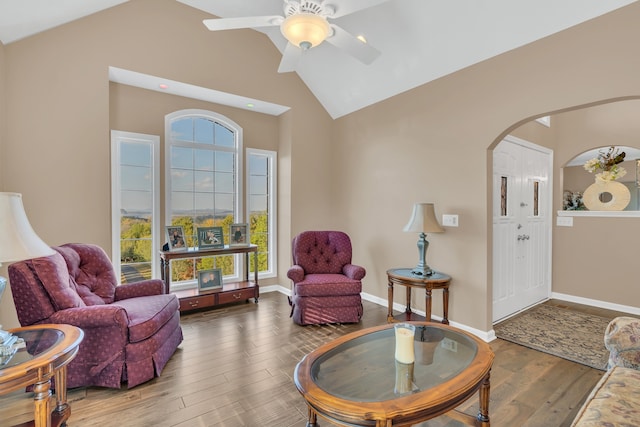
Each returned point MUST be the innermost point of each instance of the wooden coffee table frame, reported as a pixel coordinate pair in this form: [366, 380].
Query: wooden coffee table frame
[39, 371]
[405, 410]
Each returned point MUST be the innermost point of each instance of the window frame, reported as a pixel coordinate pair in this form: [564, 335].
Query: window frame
[272, 159]
[117, 137]
[238, 179]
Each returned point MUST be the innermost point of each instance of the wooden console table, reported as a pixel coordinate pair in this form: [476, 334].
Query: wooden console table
[192, 299]
[404, 277]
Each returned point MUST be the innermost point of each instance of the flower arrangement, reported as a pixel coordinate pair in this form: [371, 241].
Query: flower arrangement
[607, 164]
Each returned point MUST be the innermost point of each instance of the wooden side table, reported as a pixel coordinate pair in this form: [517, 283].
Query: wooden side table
[404, 277]
[47, 351]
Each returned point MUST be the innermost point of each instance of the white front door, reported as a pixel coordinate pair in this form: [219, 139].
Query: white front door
[521, 225]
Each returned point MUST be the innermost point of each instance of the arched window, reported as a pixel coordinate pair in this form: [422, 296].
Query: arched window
[203, 182]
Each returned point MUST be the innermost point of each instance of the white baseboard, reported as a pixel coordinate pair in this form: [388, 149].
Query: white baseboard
[597, 303]
[485, 336]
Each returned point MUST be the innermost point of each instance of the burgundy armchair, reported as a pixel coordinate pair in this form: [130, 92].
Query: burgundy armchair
[130, 331]
[326, 286]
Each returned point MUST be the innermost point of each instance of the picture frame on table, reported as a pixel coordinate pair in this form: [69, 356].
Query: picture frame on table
[210, 238]
[175, 238]
[209, 280]
[239, 234]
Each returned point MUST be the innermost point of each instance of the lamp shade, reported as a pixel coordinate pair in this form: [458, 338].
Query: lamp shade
[305, 30]
[18, 241]
[423, 220]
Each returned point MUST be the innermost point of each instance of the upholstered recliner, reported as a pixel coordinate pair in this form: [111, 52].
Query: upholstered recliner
[130, 331]
[326, 286]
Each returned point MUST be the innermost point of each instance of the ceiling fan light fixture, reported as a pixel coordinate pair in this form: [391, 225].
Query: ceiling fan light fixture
[305, 30]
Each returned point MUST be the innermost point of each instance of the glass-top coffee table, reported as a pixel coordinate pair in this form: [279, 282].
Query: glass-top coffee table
[355, 380]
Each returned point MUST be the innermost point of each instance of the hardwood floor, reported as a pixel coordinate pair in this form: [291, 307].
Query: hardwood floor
[235, 368]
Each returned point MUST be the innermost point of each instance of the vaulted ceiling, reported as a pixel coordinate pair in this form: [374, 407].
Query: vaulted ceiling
[419, 40]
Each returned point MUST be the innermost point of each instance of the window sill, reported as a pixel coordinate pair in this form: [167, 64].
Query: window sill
[601, 214]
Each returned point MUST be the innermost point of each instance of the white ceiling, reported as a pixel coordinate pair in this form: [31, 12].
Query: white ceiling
[420, 40]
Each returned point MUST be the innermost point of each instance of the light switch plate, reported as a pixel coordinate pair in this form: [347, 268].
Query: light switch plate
[450, 220]
[564, 221]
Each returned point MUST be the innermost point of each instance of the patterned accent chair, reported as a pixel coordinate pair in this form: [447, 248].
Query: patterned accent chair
[326, 286]
[130, 331]
[615, 399]
[622, 339]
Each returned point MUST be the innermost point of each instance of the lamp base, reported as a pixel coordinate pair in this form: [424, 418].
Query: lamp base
[7, 340]
[422, 271]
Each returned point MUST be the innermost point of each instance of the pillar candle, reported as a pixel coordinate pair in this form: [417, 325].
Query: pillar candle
[404, 342]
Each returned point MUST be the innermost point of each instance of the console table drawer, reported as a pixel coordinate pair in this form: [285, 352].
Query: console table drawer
[237, 295]
[200, 301]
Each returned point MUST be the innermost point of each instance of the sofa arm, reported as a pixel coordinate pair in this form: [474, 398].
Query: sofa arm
[92, 316]
[139, 289]
[622, 339]
[296, 273]
[354, 272]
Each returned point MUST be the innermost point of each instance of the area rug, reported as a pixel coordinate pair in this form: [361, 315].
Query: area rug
[559, 331]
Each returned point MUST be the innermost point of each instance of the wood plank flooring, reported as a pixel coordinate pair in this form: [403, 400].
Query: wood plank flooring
[235, 369]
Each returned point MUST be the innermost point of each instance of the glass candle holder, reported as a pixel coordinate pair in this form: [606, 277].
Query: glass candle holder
[405, 334]
[404, 378]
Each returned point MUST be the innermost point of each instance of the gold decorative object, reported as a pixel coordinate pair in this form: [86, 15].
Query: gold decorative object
[595, 194]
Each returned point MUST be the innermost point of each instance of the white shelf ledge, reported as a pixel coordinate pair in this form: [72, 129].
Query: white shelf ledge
[601, 214]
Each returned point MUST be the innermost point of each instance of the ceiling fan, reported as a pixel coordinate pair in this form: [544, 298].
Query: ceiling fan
[305, 25]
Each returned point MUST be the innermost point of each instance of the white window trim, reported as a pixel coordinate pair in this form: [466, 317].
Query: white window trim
[154, 141]
[272, 157]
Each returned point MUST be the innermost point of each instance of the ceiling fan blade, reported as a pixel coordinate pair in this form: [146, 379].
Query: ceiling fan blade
[353, 46]
[290, 59]
[347, 7]
[242, 22]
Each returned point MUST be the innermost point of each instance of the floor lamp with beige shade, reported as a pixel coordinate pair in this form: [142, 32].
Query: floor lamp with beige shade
[18, 241]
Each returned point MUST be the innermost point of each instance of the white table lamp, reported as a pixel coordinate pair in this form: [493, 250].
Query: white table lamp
[423, 220]
[18, 241]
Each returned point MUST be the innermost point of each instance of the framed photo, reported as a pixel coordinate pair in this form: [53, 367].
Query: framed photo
[175, 238]
[209, 280]
[210, 237]
[239, 235]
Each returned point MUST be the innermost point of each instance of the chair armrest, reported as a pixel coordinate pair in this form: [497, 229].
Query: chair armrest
[296, 273]
[622, 339]
[139, 289]
[354, 272]
[92, 316]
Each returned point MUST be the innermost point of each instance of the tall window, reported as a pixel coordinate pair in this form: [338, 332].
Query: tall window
[135, 205]
[203, 184]
[261, 187]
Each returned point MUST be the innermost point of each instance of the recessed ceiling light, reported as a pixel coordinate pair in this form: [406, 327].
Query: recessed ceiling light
[250, 105]
[361, 38]
[163, 86]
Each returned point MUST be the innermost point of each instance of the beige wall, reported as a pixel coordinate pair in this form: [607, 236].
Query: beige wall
[57, 151]
[593, 259]
[413, 147]
[361, 173]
